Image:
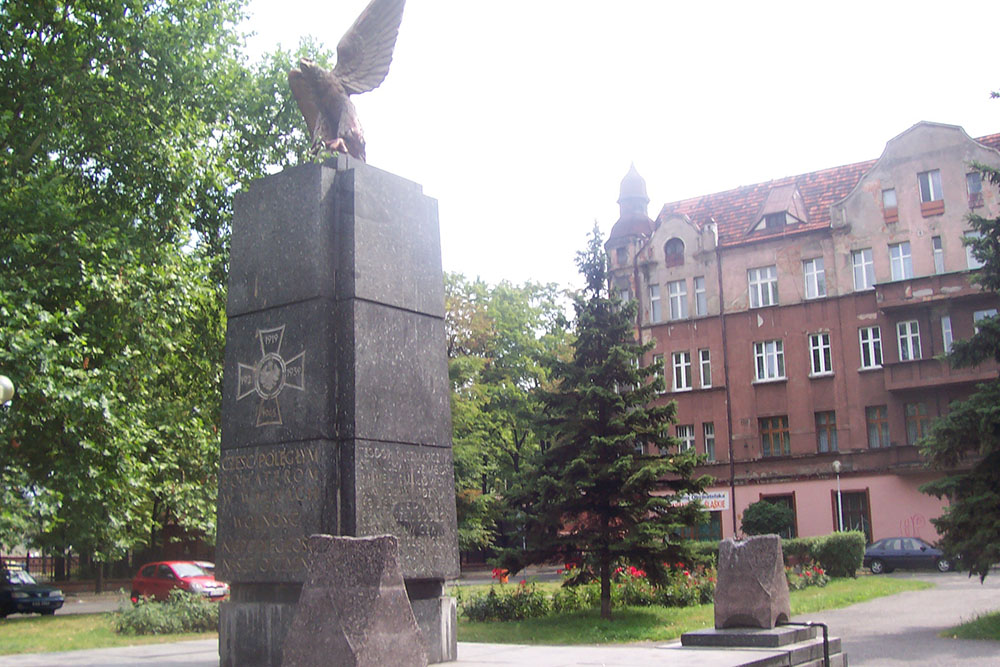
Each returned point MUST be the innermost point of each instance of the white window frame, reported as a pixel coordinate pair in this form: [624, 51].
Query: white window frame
[887, 195]
[769, 360]
[861, 259]
[908, 339]
[677, 295]
[681, 365]
[982, 315]
[870, 343]
[815, 277]
[938, 250]
[762, 283]
[820, 354]
[625, 294]
[655, 311]
[900, 261]
[700, 296]
[930, 186]
[708, 429]
[946, 334]
[705, 367]
[685, 433]
[970, 258]
[659, 358]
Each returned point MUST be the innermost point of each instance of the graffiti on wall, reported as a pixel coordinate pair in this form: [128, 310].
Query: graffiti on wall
[910, 526]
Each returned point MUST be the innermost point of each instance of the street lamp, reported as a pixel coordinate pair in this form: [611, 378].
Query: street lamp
[6, 390]
[840, 504]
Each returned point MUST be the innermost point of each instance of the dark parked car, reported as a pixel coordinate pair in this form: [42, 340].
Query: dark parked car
[156, 580]
[21, 594]
[904, 552]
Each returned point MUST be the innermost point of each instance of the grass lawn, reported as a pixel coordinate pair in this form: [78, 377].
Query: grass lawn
[42, 634]
[634, 624]
[985, 626]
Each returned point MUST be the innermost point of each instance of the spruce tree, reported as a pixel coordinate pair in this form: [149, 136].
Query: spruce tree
[595, 495]
[966, 442]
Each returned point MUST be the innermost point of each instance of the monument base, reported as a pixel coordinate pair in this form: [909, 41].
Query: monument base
[251, 633]
[437, 619]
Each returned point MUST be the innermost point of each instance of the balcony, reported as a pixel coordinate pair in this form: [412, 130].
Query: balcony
[921, 373]
[925, 290]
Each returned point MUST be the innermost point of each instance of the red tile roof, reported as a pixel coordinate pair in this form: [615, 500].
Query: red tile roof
[734, 211]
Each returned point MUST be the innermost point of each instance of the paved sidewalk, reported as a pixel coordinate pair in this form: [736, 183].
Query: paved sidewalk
[887, 632]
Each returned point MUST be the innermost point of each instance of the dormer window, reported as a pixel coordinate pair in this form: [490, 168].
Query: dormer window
[775, 220]
[673, 252]
[783, 206]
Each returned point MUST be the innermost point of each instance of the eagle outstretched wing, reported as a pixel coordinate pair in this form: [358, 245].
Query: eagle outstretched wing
[365, 51]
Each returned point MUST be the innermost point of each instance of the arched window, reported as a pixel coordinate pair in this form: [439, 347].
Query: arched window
[673, 251]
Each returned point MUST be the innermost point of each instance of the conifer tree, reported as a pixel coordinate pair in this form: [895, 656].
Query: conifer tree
[594, 494]
[966, 441]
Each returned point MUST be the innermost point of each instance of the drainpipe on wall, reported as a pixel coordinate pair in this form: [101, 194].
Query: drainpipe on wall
[725, 374]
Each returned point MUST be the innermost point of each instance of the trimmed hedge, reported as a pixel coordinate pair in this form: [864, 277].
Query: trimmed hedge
[839, 554]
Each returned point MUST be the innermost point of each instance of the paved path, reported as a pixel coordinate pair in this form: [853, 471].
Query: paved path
[887, 632]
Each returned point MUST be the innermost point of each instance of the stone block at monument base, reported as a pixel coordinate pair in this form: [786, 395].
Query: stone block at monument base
[751, 589]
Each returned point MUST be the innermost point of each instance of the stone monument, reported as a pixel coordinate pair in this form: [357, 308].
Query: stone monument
[335, 412]
[752, 589]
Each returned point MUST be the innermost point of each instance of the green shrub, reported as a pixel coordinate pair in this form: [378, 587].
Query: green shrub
[576, 598]
[798, 550]
[840, 554]
[705, 553]
[182, 612]
[764, 518]
[510, 603]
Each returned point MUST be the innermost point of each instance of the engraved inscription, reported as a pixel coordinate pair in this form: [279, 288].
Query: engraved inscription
[271, 499]
[270, 375]
[405, 491]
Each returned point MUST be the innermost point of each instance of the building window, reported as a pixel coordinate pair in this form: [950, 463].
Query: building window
[704, 532]
[946, 334]
[930, 186]
[908, 334]
[705, 361]
[774, 439]
[673, 252]
[890, 209]
[654, 303]
[682, 371]
[624, 294]
[900, 261]
[770, 358]
[677, 293]
[864, 269]
[789, 502]
[826, 431]
[658, 359]
[855, 511]
[686, 435]
[970, 256]
[819, 354]
[775, 220]
[982, 315]
[700, 298]
[917, 421]
[938, 254]
[708, 428]
[877, 419]
[621, 255]
[871, 347]
[974, 183]
[763, 284]
[815, 278]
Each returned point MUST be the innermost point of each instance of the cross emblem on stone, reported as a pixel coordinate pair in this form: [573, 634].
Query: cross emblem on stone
[270, 375]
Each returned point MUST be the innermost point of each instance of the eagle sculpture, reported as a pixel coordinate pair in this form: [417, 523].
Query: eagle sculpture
[363, 57]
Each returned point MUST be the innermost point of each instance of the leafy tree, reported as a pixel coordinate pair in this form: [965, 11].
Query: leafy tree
[133, 125]
[500, 341]
[966, 442]
[594, 493]
[764, 517]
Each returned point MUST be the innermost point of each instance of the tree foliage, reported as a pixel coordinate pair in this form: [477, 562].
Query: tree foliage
[132, 125]
[966, 442]
[594, 494]
[501, 340]
[764, 517]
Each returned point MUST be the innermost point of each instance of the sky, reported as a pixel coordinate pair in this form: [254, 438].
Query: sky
[522, 116]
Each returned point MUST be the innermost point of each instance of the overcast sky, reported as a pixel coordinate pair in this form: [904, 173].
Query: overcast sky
[521, 117]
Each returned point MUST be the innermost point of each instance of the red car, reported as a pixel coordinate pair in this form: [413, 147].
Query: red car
[156, 580]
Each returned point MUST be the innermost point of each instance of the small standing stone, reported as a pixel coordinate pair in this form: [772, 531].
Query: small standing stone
[752, 591]
[353, 610]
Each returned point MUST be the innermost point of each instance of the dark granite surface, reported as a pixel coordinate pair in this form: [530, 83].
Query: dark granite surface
[752, 589]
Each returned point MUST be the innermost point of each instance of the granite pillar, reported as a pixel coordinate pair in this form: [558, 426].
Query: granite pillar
[335, 411]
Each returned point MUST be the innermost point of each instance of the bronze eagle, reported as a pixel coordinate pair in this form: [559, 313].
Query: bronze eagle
[363, 57]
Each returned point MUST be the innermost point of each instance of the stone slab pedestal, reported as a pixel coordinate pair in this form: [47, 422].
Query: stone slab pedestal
[336, 400]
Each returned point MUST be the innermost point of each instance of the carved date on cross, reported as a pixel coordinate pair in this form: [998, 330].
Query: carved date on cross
[271, 375]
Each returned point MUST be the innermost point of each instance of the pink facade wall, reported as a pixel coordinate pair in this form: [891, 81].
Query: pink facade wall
[896, 505]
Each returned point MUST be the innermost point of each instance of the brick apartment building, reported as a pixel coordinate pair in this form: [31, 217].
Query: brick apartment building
[801, 322]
